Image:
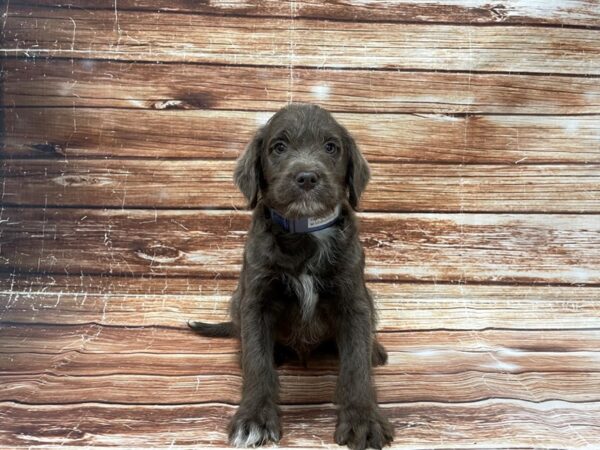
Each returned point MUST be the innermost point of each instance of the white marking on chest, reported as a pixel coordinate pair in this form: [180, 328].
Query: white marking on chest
[304, 288]
[305, 285]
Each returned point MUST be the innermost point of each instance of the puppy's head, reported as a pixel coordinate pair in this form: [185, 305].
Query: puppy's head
[302, 163]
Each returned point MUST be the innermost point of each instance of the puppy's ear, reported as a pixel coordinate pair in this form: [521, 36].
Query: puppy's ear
[248, 171]
[358, 173]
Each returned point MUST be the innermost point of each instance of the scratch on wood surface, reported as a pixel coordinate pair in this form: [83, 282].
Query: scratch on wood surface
[74, 31]
[5, 17]
[117, 26]
[291, 39]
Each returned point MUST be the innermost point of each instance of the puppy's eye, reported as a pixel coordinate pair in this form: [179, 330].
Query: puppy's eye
[330, 148]
[279, 148]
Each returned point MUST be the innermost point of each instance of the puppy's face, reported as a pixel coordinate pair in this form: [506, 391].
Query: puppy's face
[302, 163]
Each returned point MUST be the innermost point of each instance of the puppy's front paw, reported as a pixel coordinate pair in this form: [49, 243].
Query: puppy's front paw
[363, 428]
[251, 429]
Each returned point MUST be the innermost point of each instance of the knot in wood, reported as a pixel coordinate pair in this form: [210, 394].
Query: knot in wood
[159, 253]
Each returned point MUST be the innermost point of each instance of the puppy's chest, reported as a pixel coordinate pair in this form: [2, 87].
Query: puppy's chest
[306, 283]
[306, 322]
[305, 288]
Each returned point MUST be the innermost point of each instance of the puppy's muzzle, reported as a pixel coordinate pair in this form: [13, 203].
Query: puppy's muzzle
[307, 180]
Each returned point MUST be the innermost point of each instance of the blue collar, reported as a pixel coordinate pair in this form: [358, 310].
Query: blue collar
[305, 224]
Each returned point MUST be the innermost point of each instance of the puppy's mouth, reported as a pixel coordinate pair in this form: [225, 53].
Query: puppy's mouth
[296, 195]
[313, 203]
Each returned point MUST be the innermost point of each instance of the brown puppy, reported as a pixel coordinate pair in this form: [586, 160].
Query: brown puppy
[302, 284]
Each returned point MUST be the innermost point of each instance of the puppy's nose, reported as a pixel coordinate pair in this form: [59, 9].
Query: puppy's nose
[307, 180]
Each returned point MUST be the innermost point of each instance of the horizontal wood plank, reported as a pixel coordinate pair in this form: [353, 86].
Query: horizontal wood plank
[575, 12]
[488, 369]
[60, 340]
[79, 362]
[401, 306]
[433, 247]
[297, 389]
[393, 187]
[113, 84]
[426, 247]
[89, 132]
[421, 425]
[58, 351]
[140, 36]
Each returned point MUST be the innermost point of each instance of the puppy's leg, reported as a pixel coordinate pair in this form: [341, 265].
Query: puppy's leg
[256, 421]
[360, 423]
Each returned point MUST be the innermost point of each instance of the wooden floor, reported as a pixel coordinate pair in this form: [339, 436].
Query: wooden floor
[121, 122]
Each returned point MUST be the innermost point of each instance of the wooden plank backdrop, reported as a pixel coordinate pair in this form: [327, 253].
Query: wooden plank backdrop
[121, 121]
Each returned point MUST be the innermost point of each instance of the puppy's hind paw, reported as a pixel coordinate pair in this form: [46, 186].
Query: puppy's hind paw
[253, 432]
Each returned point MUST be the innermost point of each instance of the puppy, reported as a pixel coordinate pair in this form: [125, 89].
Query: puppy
[302, 285]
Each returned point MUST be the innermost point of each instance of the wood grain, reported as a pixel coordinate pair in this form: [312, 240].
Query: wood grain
[114, 84]
[418, 372]
[426, 247]
[169, 302]
[393, 187]
[421, 425]
[83, 132]
[575, 12]
[297, 389]
[61, 340]
[449, 362]
[150, 36]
